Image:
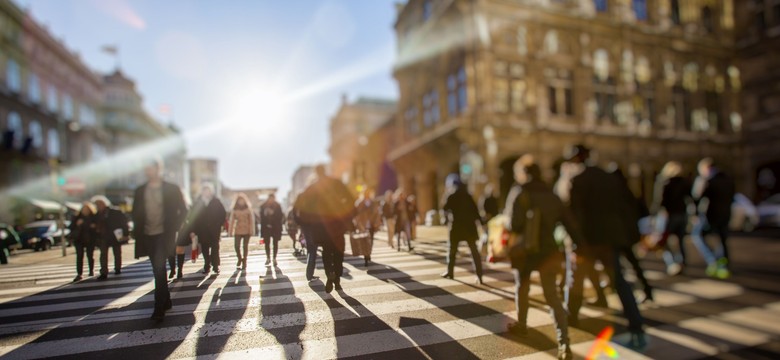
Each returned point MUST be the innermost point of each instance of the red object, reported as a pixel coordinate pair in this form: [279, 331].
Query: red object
[194, 254]
[262, 242]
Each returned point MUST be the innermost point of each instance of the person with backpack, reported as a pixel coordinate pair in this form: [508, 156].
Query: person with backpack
[533, 211]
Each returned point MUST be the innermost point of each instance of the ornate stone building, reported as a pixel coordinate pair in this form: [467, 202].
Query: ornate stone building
[758, 46]
[639, 81]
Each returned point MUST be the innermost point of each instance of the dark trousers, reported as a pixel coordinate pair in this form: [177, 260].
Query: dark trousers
[89, 249]
[474, 256]
[677, 225]
[332, 253]
[116, 247]
[239, 240]
[548, 267]
[210, 251]
[3, 256]
[158, 255]
[610, 259]
[311, 254]
[274, 238]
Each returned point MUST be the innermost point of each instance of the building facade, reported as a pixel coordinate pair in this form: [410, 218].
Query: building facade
[350, 130]
[49, 102]
[758, 46]
[639, 81]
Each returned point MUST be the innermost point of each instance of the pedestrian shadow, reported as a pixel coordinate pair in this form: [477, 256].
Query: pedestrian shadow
[273, 286]
[352, 320]
[90, 312]
[212, 339]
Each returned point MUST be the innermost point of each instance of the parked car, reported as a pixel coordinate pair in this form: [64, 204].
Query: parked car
[42, 235]
[769, 212]
[744, 215]
[9, 237]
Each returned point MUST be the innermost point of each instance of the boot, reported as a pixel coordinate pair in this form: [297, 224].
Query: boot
[180, 265]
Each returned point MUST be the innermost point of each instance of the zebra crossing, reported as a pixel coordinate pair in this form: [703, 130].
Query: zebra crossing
[397, 306]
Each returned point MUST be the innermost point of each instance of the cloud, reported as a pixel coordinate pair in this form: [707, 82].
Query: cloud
[122, 11]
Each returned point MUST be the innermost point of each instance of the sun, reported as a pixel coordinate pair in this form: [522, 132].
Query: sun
[261, 111]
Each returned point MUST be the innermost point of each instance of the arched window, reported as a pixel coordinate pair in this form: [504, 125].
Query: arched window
[34, 88]
[15, 125]
[53, 143]
[601, 64]
[13, 76]
[675, 11]
[51, 99]
[706, 19]
[36, 133]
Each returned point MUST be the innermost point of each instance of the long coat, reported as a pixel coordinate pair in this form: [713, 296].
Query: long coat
[108, 221]
[271, 220]
[465, 215]
[206, 221]
[599, 202]
[175, 212]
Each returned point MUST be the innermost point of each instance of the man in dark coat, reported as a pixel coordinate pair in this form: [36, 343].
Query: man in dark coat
[463, 225]
[333, 207]
[271, 220]
[713, 192]
[531, 194]
[158, 213]
[305, 213]
[205, 220]
[598, 203]
[111, 228]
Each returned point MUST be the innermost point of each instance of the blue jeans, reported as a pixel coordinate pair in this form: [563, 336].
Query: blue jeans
[697, 235]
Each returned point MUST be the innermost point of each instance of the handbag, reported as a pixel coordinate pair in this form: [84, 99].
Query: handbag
[528, 243]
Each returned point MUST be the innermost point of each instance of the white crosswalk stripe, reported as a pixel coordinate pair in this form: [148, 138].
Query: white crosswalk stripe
[394, 307]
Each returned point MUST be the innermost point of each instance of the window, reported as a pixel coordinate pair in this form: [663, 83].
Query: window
[36, 133]
[51, 99]
[706, 19]
[682, 107]
[67, 107]
[604, 93]
[601, 5]
[675, 11]
[427, 9]
[452, 97]
[462, 94]
[13, 76]
[640, 9]
[713, 103]
[760, 17]
[431, 108]
[53, 143]
[559, 93]
[15, 126]
[601, 64]
[509, 88]
[34, 88]
[410, 117]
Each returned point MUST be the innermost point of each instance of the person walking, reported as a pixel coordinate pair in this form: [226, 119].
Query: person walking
[82, 231]
[292, 230]
[531, 195]
[242, 227]
[205, 221]
[672, 195]
[158, 213]
[305, 214]
[403, 219]
[598, 203]
[271, 220]
[460, 206]
[333, 210]
[388, 215]
[112, 231]
[713, 192]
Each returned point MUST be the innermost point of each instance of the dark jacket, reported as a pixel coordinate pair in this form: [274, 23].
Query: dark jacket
[330, 207]
[106, 222]
[719, 193]
[598, 202]
[175, 212]
[673, 195]
[489, 207]
[84, 234]
[465, 215]
[206, 221]
[271, 220]
[551, 212]
[388, 209]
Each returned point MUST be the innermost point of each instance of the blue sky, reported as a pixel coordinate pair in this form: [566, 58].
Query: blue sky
[252, 83]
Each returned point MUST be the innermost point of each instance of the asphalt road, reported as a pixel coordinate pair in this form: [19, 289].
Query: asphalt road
[397, 307]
